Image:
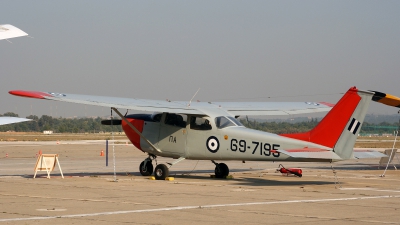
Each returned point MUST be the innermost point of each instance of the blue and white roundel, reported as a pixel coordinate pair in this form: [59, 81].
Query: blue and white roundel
[212, 144]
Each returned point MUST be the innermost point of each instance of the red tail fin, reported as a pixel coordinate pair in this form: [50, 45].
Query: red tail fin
[328, 131]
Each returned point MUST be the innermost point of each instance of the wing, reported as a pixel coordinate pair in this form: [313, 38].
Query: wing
[274, 108]
[8, 31]
[125, 103]
[8, 120]
[201, 108]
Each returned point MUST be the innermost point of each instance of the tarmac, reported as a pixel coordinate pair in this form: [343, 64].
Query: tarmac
[91, 193]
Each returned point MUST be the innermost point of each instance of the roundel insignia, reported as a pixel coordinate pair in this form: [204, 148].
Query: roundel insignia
[212, 144]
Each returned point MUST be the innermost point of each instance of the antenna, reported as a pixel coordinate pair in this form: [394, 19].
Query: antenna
[193, 97]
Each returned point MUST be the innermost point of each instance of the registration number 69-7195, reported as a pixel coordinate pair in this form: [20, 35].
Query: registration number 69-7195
[261, 148]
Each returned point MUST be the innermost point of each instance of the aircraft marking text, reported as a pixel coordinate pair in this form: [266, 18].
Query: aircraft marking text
[265, 149]
[172, 139]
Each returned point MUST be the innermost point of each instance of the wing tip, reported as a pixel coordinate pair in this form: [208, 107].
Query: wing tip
[29, 94]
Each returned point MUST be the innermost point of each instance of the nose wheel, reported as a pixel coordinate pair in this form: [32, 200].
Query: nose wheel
[146, 168]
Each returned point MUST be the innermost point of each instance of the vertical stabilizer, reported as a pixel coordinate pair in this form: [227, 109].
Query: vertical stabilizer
[344, 146]
[340, 127]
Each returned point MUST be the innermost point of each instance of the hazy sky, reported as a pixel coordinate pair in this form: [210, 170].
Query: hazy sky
[232, 50]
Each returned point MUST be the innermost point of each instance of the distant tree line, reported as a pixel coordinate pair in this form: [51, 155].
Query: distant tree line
[93, 125]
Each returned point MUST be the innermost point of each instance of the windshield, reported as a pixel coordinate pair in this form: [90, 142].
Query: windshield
[223, 122]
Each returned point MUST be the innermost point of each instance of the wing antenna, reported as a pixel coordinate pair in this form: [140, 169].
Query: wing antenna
[193, 97]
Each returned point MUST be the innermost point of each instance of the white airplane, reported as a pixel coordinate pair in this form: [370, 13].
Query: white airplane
[210, 130]
[8, 31]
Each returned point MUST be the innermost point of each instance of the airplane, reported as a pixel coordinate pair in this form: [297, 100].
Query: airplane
[8, 31]
[211, 131]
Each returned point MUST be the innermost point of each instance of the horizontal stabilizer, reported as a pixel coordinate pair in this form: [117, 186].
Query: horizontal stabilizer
[386, 99]
[311, 153]
[367, 153]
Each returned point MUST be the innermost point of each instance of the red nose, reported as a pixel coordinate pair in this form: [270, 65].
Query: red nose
[130, 133]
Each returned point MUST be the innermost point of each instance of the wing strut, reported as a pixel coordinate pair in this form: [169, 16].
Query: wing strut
[134, 129]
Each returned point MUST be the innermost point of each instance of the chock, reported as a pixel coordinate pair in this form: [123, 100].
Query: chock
[226, 177]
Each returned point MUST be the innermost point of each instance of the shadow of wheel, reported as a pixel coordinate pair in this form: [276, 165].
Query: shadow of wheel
[221, 170]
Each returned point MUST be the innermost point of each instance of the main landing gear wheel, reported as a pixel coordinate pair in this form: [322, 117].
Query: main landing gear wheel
[146, 170]
[161, 172]
[221, 170]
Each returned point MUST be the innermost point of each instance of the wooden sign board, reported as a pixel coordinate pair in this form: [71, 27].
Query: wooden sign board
[47, 162]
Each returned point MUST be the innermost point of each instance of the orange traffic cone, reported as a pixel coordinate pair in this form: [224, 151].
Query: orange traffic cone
[6, 155]
[102, 153]
[40, 152]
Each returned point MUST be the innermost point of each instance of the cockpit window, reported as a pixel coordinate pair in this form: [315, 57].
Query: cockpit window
[235, 121]
[175, 120]
[223, 122]
[199, 123]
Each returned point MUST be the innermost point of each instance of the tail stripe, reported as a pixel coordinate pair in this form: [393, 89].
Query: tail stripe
[354, 125]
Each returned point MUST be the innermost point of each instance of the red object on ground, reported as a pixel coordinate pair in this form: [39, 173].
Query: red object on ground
[296, 171]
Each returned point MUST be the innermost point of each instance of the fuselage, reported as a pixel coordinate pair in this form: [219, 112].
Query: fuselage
[206, 138]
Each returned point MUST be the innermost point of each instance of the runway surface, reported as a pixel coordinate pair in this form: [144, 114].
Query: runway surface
[91, 194]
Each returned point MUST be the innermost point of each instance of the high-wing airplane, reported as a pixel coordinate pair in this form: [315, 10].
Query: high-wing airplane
[211, 131]
[8, 31]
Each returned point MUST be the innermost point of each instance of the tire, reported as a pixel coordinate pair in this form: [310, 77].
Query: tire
[221, 170]
[161, 172]
[148, 170]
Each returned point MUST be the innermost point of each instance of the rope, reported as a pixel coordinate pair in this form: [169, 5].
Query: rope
[335, 177]
[192, 169]
[391, 153]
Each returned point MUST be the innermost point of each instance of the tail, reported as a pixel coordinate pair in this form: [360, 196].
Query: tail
[340, 127]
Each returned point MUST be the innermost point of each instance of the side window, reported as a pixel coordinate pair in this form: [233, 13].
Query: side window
[176, 120]
[200, 123]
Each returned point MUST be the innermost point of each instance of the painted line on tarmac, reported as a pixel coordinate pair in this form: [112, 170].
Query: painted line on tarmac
[198, 207]
[368, 189]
